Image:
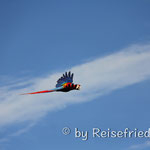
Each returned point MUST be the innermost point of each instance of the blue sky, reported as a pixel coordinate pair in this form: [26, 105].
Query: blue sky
[42, 39]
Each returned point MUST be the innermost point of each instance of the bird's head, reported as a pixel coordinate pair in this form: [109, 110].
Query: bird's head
[78, 86]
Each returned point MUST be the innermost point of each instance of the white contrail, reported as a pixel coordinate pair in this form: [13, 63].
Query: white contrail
[97, 77]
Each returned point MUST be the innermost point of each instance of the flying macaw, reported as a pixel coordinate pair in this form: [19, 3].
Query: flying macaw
[64, 84]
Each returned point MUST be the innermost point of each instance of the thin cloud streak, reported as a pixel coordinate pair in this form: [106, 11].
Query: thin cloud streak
[140, 146]
[97, 77]
[16, 133]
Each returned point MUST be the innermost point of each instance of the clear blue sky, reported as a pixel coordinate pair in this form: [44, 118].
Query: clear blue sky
[40, 37]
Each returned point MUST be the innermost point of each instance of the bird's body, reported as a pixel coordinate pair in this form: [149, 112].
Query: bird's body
[64, 84]
[68, 87]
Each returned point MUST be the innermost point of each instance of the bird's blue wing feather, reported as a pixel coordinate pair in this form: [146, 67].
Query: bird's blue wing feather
[67, 77]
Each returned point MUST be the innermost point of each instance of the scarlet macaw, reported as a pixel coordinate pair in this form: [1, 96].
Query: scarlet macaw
[64, 84]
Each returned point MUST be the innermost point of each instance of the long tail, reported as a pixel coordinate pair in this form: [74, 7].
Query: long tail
[46, 91]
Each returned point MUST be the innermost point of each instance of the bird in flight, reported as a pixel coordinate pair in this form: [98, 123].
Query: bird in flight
[64, 84]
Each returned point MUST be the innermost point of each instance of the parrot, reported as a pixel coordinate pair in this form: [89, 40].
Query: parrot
[64, 84]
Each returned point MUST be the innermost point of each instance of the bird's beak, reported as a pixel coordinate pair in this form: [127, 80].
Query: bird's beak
[78, 87]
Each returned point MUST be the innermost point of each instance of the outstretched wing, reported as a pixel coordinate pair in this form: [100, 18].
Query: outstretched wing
[67, 77]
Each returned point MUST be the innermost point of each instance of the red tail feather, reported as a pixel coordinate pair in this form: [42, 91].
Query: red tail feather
[47, 91]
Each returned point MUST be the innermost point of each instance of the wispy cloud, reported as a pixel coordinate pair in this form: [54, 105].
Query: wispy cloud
[140, 146]
[97, 77]
[6, 138]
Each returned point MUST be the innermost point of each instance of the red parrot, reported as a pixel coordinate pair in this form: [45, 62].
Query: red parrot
[64, 84]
